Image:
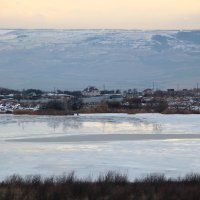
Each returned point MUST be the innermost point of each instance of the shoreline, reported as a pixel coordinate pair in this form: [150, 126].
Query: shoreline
[114, 111]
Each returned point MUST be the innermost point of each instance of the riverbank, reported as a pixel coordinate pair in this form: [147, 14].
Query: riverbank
[138, 111]
[42, 112]
[111, 186]
[96, 110]
[118, 108]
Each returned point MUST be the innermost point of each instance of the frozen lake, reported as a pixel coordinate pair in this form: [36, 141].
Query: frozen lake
[93, 144]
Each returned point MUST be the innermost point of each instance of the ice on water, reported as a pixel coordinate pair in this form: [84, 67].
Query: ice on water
[136, 158]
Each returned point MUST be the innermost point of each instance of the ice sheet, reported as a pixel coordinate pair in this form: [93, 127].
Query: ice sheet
[136, 158]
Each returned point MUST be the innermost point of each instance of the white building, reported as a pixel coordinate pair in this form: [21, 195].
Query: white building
[90, 91]
[103, 98]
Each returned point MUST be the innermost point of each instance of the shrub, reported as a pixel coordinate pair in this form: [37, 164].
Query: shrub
[55, 105]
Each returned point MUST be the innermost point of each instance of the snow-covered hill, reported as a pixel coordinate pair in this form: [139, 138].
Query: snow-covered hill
[73, 59]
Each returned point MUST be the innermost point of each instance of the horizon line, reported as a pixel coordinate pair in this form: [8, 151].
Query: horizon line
[136, 29]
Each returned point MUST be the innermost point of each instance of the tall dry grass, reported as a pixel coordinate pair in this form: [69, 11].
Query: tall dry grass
[111, 186]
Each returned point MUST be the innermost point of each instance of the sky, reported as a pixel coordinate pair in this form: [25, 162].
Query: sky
[111, 14]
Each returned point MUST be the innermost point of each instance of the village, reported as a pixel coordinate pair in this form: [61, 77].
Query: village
[91, 100]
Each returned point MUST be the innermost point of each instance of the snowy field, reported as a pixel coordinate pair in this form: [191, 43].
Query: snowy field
[31, 144]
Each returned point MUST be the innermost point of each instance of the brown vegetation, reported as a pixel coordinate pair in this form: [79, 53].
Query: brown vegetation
[57, 108]
[111, 186]
[111, 108]
[180, 111]
[41, 112]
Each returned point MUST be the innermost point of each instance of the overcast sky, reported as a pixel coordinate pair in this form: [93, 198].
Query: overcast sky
[130, 14]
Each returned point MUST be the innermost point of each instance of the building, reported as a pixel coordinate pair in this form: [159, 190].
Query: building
[148, 91]
[90, 91]
[102, 98]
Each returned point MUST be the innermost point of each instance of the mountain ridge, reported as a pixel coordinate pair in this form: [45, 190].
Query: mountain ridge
[73, 59]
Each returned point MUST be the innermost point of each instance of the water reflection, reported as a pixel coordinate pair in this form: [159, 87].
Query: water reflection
[132, 127]
[28, 126]
[63, 122]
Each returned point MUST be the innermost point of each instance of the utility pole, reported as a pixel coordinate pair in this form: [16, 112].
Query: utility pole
[177, 87]
[54, 92]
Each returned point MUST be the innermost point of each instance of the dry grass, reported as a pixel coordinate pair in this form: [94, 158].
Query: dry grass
[41, 112]
[105, 108]
[111, 186]
[180, 111]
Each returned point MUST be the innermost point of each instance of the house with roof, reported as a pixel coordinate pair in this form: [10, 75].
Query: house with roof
[148, 91]
[90, 91]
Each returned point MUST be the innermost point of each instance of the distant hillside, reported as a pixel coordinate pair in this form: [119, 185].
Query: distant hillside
[74, 59]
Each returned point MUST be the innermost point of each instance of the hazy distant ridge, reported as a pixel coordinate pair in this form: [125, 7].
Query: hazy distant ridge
[73, 59]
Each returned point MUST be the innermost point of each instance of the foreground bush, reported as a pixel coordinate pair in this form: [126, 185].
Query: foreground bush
[111, 186]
